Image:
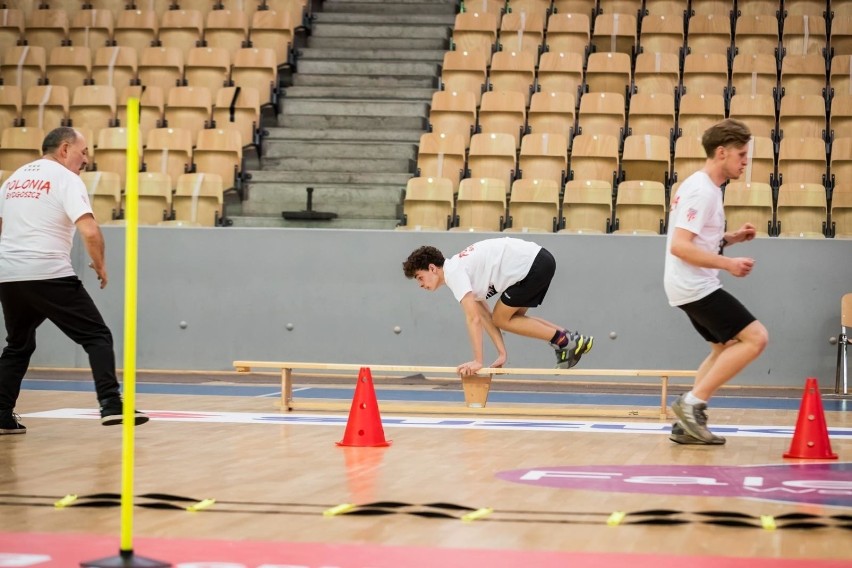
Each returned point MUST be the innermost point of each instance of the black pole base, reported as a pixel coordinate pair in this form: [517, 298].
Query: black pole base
[125, 559]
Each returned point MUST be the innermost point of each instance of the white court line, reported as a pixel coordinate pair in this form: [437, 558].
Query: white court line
[598, 427]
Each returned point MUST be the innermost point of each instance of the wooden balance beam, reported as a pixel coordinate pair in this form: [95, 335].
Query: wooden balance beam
[476, 387]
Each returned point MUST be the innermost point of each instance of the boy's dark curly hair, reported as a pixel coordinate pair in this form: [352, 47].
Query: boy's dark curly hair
[420, 259]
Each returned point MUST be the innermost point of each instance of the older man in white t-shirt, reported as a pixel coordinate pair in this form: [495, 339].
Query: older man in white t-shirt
[694, 245]
[42, 204]
[517, 271]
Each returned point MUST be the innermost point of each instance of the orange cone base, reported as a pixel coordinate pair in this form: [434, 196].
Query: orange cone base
[364, 427]
[810, 440]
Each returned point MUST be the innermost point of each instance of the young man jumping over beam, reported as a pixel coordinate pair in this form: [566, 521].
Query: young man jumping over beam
[520, 273]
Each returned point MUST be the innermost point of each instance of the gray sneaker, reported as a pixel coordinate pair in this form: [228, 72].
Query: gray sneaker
[578, 345]
[10, 423]
[679, 436]
[694, 420]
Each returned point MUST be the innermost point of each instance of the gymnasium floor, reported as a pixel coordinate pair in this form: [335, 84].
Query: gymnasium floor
[535, 492]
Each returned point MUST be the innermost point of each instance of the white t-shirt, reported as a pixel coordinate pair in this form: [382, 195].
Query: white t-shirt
[489, 267]
[39, 205]
[698, 208]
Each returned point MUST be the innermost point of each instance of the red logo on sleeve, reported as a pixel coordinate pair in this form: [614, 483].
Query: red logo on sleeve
[690, 214]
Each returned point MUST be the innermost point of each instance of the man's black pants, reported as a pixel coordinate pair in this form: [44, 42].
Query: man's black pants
[65, 302]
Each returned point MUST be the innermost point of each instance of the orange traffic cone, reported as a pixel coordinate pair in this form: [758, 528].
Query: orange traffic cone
[810, 441]
[364, 427]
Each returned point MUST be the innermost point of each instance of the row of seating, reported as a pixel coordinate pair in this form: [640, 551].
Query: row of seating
[639, 207]
[180, 29]
[72, 7]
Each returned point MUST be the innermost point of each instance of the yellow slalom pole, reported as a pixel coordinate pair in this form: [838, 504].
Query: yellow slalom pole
[131, 262]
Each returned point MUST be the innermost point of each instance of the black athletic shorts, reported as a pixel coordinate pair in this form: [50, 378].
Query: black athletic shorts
[718, 317]
[530, 292]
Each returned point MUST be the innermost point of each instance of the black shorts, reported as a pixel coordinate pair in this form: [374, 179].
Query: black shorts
[530, 292]
[718, 317]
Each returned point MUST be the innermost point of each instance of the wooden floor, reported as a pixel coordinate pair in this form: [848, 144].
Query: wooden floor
[273, 481]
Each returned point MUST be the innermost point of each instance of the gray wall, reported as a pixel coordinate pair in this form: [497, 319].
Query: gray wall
[344, 291]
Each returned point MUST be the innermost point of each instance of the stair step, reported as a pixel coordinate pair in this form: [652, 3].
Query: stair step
[329, 29]
[358, 201]
[335, 6]
[316, 178]
[377, 43]
[344, 67]
[356, 107]
[318, 122]
[324, 164]
[344, 135]
[273, 221]
[344, 150]
[413, 82]
[422, 95]
[394, 56]
[323, 18]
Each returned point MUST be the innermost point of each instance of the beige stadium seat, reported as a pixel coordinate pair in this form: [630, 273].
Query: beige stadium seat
[758, 7]
[104, 190]
[522, 32]
[464, 71]
[157, 6]
[247, 6]
[802, 160]
[841, 211]
[203, 6]
[662, 33]
[841, 35]
[504, 112]
[601, 113]
[428, 204]
[114, 6]
[91, 28]
[615, 33]
[161, 67]
[533, 206]
[552, 112]
[220, 152]
[652, 113]
[46, 28]
[155, 198]
[11, 27]
[492, 156]
[19, 146]
[189, 108]
[640, 208]
[494, 7]
[809, 7]
[803, 75]
[568, 33]
[754, 74]
[761, 161]
[46, 106]
[841, 160]
[238, 108]
[666, 7]
[207, 67]
[69, 66]
[689, 156]
[709, 33]
[757, 112]
[151, 105]
[298, 10]
[115, 66]
[594, 157]
[226, 29]
[587, 207]
[112, 152]
[646, 158]
[575, 6]
[93, 106]
[802, 116]
[528, 6]
[453, 113]
[757, 34]
[481, 205]
[11, 102]
[560, 72]
[705, 73]
[273, 30]
[632, 7]
[608, 73]
[181, 29]
[657, 73]
[476, 31]
[801, 211]
[749, 203]
[699, 112]
[513, 71]
[256, 67]
[441, 156]
[23, 66]
[168, 151]
[804, 34]
[544, 157]
[199, 200]
[841, 75]
[136, 29]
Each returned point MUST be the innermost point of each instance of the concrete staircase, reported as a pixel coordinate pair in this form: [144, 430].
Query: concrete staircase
[351, 121]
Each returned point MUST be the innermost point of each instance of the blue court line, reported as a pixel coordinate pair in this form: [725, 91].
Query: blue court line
[650, 400]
